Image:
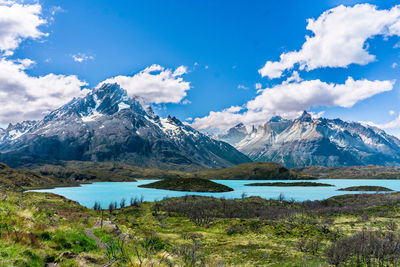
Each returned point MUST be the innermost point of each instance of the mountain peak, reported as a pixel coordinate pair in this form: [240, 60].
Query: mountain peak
[174, 120]
[327, 142]
[305, 117]
[107, 88]
[107, 125]
[275, 119]
[239, 125]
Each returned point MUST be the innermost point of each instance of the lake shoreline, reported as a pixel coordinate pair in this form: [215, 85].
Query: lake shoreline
[106, 192]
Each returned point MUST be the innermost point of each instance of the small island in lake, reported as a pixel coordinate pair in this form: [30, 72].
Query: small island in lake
[289, 184]
[189, 184]
[366, 188]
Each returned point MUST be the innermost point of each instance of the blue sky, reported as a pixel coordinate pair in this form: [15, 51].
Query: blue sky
[222, 44]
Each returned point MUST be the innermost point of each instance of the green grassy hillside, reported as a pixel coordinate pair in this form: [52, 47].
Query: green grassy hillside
[102, 171]
[18, 179]
[253, 171]
[351, 172]
[352, 230]
[78, 172]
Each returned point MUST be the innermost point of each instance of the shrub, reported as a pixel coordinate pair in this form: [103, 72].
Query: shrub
[74, 241]
[372, 248]
[97, 205]
[122, 203]
[235, 229]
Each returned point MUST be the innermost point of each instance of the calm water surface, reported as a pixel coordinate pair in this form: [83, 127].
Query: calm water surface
[106, 192]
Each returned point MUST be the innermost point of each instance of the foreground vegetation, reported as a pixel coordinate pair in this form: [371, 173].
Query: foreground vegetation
[289, 184]
[189, 185]
[349, 230]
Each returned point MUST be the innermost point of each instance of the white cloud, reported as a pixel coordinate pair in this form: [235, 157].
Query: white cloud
[302, 95]
[23, 97]
[317, 115]
[186, 102]
[56, 9]
[258, 86]
[392, 112]
[394, 124]
[294, 78]
[18, 22]
[220, 120]
[394, 65]
[155, 84]
[288, 99]
[80, 57]
[241, 86]
[339, 39]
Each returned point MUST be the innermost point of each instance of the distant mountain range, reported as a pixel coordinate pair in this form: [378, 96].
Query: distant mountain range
[107, 125]
[308, 141]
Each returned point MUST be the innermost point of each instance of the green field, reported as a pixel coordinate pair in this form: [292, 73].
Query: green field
[38, 228]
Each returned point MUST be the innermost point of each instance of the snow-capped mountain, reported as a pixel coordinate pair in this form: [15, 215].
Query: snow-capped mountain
[13, 131]
[234, 134]
[307, 141]
[107, 125]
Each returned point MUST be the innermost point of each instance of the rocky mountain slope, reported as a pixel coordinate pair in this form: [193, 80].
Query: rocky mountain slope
[107, 125]
[306, 141]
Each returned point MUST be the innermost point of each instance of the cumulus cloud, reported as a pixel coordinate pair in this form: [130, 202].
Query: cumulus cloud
[17, 23]
[290, 98]
[294, 78]
[219, 120]
[155, 84]
[305, 94]
[338, 39]
[25, 97]
[80, 57]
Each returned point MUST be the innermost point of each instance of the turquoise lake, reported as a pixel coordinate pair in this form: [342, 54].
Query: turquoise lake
[106, 192]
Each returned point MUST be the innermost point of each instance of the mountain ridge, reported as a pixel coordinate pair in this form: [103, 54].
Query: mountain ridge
[308, 141]
[107, 125]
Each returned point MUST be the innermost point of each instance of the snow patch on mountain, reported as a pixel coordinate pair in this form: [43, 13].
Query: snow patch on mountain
[107, 125]
[316, 141]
